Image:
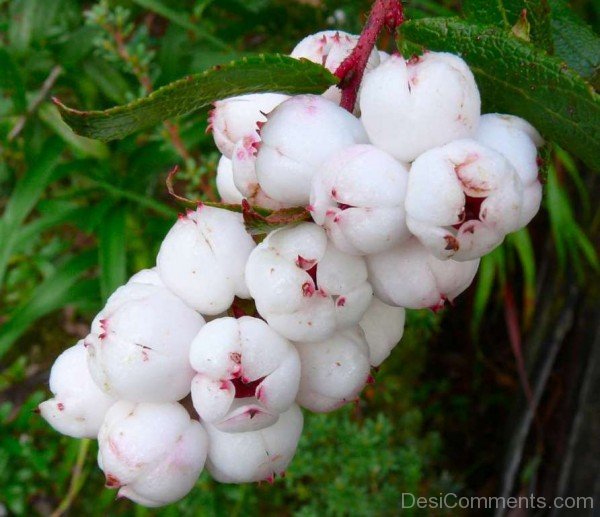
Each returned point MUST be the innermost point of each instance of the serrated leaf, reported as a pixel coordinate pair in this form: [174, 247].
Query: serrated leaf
[265, 73]
[515, 77]
[576, 42]
[259, 225]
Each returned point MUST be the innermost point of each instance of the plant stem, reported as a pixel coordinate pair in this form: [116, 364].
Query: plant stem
[384, 13]
[77, 479]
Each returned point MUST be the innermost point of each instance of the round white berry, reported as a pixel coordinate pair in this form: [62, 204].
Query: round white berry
[358, 197]
[411, 106]
[409, 276]
[255, 455]
[334, 371]
[225, 184]
[79, 405]
[138, 347]
[462, 199]
[329, 48]
[247, 374]
[203, 256]
[383, 326]
[517, 140]
[153, 453]
[299, 135]
[235, 117]
[304, 287]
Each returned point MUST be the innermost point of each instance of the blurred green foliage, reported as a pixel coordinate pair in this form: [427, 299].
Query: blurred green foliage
[79, 216]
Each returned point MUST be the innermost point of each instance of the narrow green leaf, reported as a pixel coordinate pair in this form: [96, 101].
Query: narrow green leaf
[31, 186]
[514, 77]
[182, 20]
[576, 42]
[53, 293]
[24, 197]
[11, 80]
[111, 248]
[521, 242]
[275, 73]
[483, 291]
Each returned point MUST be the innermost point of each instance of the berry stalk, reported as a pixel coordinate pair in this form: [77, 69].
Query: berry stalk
[387, 14]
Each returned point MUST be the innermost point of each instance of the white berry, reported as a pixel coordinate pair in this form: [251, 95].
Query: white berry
[139, 343]
[153, 453]
[304, 287]
[255, 455]
[383, 326]
[203, 256]
[517, 140]
[235, 117]
[411, 106]
[247, 374]
[462, 199]
[334, 371]
[358, 197]
[79, 405]
[225, 184]
[409, 276]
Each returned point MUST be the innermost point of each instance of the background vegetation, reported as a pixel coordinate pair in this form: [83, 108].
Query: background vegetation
[79, 216]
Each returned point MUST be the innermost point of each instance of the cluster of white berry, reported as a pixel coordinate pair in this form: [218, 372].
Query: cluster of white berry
[406, 195]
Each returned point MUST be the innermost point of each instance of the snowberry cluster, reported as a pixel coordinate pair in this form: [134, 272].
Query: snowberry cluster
[406, 194]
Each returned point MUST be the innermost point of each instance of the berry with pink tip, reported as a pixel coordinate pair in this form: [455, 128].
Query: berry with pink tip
[243, 162]
[225, 184]
[236, 117]
[78, 406]
[247, 374]
[330, 48]
[253, 456]
[138, 346]
[410, 276]
[334, 371]
[358, 197]
[462, 199]
[409, 107]
[299, 135]
[304, 287]
[517, 140]
[383, 326]
[153, 453]
[203, 256]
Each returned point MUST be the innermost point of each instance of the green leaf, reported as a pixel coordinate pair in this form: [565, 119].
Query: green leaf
[514, 77]
[576, 42]
[504, 13]
[111, 248]
[483, 291]
[538, 15]
[11, 80]
[25, 196]
[265, 73]
[54, 292]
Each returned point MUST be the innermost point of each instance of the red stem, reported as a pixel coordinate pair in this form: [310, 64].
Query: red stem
[384, 13]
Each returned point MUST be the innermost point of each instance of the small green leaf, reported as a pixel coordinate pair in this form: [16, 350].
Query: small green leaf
[576, 42]
[265, 73]
[514, 77]
[111, 249]
[259, 225]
